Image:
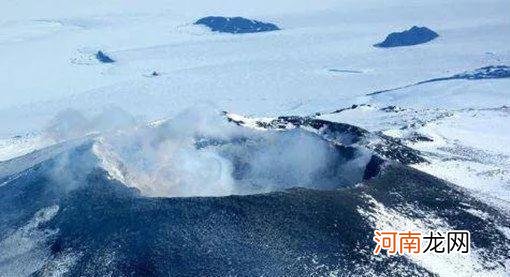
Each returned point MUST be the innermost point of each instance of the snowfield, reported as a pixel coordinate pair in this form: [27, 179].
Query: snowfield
[441, 107]
[272, 73]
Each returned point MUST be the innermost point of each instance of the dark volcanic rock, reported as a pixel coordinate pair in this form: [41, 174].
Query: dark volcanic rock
[353, 107]
[487, 72]
[102, 57]
[417, 137]
[392, 109]
[235, 25]
[111, 228]
[482, 73]
[413, 36]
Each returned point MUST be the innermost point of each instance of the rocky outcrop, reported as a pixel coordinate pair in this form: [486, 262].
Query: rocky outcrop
[235, 25]
[413, 36]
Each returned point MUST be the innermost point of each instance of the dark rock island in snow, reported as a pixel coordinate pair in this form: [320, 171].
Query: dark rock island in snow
[413, 36]
[235, 25]
[487, 72]
[102, 57]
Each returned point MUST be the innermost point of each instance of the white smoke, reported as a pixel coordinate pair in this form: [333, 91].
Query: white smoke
[200, 153]
[71, 124]
[163, 160]
[278, 160]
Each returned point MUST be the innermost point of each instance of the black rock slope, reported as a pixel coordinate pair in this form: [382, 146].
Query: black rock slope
[235, 25]
[100, 227]
[413, 36]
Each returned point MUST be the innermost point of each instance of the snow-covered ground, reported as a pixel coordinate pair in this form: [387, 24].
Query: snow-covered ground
[47, 55]
[465, 146]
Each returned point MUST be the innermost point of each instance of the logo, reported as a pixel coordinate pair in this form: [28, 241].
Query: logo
[415, 242]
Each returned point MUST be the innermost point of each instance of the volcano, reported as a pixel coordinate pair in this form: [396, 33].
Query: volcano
[79, 207]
